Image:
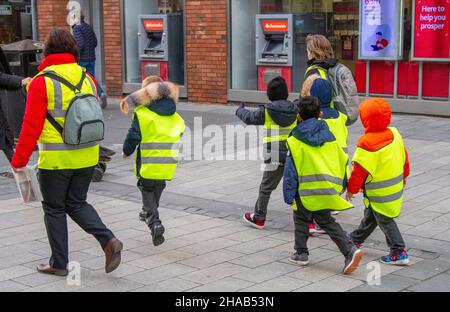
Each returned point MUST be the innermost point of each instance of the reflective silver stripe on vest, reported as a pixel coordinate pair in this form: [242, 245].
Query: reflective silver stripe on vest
[159, 160]
[386, 199]
[318, 192]
[53, 147]
[321, 178]
[271, 132]
[160, 146]
[94, 90]
[383, 184]
[57, 111]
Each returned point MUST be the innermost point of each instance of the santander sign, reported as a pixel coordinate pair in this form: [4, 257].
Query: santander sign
[154, 25]
[275, 25]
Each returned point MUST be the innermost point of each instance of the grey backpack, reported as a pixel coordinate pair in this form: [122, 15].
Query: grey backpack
[345, 93]
[83, 122]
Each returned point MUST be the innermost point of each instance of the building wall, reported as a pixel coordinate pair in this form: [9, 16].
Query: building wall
[206, 50]
[53, 14]
[112, 34]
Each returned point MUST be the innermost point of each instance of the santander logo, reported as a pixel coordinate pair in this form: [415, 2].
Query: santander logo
[275, 25]
[154, 25]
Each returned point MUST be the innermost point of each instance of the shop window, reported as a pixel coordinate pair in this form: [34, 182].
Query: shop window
[336, 20]
[15, 21]
[131, 11]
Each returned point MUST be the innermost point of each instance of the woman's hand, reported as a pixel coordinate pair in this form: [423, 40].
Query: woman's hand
[26, 81]
[349, 196]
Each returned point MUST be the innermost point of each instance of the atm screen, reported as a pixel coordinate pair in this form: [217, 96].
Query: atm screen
[154, 44]
[275, 46]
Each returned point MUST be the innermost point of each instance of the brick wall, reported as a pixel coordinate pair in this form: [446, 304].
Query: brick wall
[206, 50]
[53, 14]
[113, 46]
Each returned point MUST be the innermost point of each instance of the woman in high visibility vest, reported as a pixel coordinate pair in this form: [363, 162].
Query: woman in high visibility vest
[65, 171]
[380, 168]
[320, 59]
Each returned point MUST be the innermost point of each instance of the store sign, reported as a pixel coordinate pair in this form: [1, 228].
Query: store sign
[275, 26]
[154, 25]
[5, 9]
[380, 34]
[431, 30]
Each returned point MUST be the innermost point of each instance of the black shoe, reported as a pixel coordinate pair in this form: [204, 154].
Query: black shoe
[99, 172]
[299, 259]
[157, 234]
[352, 261]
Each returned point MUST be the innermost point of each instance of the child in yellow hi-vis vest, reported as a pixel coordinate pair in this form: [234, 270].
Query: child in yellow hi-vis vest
[380, 168]
[155, 133]
[314, 178]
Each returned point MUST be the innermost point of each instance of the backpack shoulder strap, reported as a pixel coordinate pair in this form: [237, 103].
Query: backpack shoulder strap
[55, 77]
[54, 123]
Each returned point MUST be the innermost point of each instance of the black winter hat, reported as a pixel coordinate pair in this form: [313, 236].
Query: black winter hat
[277, 89]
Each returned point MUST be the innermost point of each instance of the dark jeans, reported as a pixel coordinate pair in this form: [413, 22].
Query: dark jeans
[151, 194]
[302, 219]
[65, 193]
[90, 68]
[269, 183]
[6, 137]
[371, 220]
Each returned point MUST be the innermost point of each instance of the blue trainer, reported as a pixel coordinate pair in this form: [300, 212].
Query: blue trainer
[402, 259]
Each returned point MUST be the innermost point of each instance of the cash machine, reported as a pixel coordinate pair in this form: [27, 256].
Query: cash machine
[161, 46]
[274, 48]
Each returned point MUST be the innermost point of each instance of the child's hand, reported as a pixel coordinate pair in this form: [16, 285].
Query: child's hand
[349, 196]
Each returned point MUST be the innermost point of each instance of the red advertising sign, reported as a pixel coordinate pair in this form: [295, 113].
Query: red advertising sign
[431, 30]
[154, 25]
[275, 25]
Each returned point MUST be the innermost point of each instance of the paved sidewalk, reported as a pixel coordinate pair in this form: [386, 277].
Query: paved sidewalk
[208, 248]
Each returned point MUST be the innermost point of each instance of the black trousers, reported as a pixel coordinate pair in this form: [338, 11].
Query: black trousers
[271, 179]
[65, 193]
[6, 137]
[371, 220]
[151, 194]
[303, 218]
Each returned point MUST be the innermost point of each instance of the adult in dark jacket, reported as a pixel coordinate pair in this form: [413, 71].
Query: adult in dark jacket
[8, 81]
[87, 43]
[283, 113]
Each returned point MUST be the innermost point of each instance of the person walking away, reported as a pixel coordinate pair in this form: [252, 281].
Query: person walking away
[380, 167]
[65, 171]
[87, 43]
[336, 121]
[155, 132]
[314, 179]
[8, 81]
[279, 117]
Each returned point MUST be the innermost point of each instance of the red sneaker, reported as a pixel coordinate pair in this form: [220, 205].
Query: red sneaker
[250, 219]
[314, 229]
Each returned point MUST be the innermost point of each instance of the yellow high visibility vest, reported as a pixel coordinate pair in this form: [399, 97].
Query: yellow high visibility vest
[53, 153]
[338, 126]
[273, 132]
[323, 74]
[158, 152]
[384, 186]
[321, 172]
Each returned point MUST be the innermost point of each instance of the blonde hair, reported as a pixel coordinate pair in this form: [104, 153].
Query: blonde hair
[320, 47]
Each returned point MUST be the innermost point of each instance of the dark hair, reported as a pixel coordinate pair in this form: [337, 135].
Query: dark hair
[277, 89]
[61, 41]
[309, 107]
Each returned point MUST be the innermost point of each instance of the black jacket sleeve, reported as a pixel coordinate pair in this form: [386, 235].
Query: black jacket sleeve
[254, 118]
[10, 82]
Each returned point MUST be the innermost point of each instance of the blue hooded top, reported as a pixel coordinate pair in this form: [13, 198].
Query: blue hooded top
[312, 132]
[322, 89]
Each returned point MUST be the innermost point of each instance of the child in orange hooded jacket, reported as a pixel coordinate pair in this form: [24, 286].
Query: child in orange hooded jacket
[380, 169]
